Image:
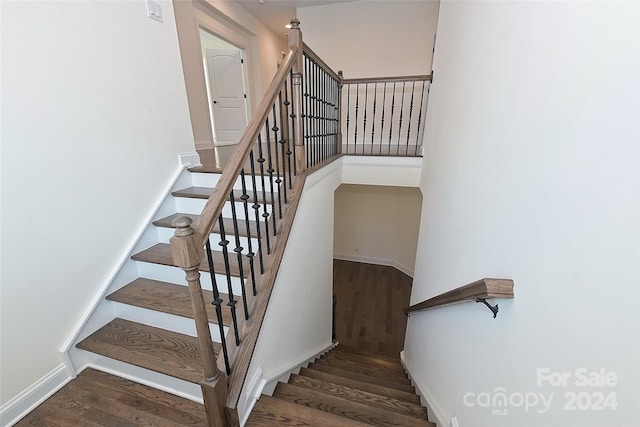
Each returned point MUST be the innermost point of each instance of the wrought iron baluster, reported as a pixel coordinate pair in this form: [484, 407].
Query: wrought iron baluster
[292, 144]
[348, 114]
[384, 107]
[307, 112]
[413, 88]
[290, 126]
[393, 106]
[400, 123]
[373, 119]
[270, 171]
[282, 141]
[232, 299]
[355, 136]
[256, 210]
[364, 128]
[250, 254]
[238, 250]
[217, 303]
[265, 213]
[278, 180]
[424, 84]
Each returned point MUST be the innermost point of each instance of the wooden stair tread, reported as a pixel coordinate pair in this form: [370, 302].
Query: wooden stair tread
[362, 385]
[337, 405]
[205, 192]
[270, 411]
[407, 387]
[353, 350]
[367, 369]
[372, 399]
[227, 222]
[159, 350]
[168, 298]
[368, 361]
[160, 253]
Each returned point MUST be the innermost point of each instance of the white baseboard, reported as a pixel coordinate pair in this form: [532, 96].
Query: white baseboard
[259, 381]
[435, 413]
[124, 257]
[15, 409]
[378, 261]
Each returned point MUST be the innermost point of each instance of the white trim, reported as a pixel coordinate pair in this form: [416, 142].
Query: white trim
[18, 407]
[259, 381]
[189, 159]
[99, 296]
[396, 161]
[320, 174]
[426, 398]
[377, 261]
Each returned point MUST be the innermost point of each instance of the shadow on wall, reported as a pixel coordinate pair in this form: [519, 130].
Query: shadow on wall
[377, 225]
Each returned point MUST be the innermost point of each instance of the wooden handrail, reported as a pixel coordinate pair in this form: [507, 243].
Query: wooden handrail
[417, 78]
[221, 192]
[314, 56]
[480, 289]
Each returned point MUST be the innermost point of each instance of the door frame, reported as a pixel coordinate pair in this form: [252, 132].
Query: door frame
[190, 17]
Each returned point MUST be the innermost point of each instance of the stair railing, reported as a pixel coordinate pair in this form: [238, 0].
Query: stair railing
[384, 116]
[269, 166]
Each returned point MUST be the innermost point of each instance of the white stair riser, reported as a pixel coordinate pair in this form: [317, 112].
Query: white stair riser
[179, 324]
[195, 206]
[211, 179]
[164, 234]
[175, 275]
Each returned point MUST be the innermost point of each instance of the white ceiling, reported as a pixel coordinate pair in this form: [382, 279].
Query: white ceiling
[275, 14]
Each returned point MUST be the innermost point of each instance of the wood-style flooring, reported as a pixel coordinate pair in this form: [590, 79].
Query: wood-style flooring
[369, 303]
[98, 399]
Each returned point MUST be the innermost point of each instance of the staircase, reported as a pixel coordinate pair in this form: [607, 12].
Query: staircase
[345, 387]
[150, 334]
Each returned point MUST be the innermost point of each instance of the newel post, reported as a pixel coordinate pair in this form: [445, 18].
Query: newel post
[340, 85]
[295, 42]
[187, 253]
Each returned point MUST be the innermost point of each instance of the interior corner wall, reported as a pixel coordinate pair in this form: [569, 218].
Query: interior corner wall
[532, 172]
[377, 225]
[372, 38]
[234, 24]
[94, 114]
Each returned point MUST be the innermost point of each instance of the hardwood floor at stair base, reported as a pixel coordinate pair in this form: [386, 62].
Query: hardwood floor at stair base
[407, 387]
[360, 385]
[270, 411]
[98, 399]
[372, 399]
[336, 405]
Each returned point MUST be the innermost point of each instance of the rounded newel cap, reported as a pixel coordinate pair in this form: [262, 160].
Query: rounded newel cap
[182, 225]
[295, 23]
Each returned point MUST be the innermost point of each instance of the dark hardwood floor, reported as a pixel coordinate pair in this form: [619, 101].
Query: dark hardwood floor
[98, 399]
[369, 303]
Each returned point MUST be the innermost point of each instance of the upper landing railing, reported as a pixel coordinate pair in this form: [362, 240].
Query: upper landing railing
[384, 116]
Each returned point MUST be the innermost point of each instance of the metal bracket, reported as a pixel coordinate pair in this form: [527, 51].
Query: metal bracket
[494, 309]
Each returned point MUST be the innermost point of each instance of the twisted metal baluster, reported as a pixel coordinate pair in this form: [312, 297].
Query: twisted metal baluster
[384, 107]
[232, 299]
[400, 124]
[393, 106]
[217, 303]
[413, 88]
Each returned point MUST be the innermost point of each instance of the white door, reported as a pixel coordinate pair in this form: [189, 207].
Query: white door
[228, 96]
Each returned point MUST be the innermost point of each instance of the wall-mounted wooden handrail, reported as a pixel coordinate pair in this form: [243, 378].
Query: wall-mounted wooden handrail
[482, 289]
[417, 78]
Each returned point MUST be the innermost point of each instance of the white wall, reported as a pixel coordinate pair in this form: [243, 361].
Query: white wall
[297, 324]
[532, 172]
[375, 38]
[377, 224]
[94, 113]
